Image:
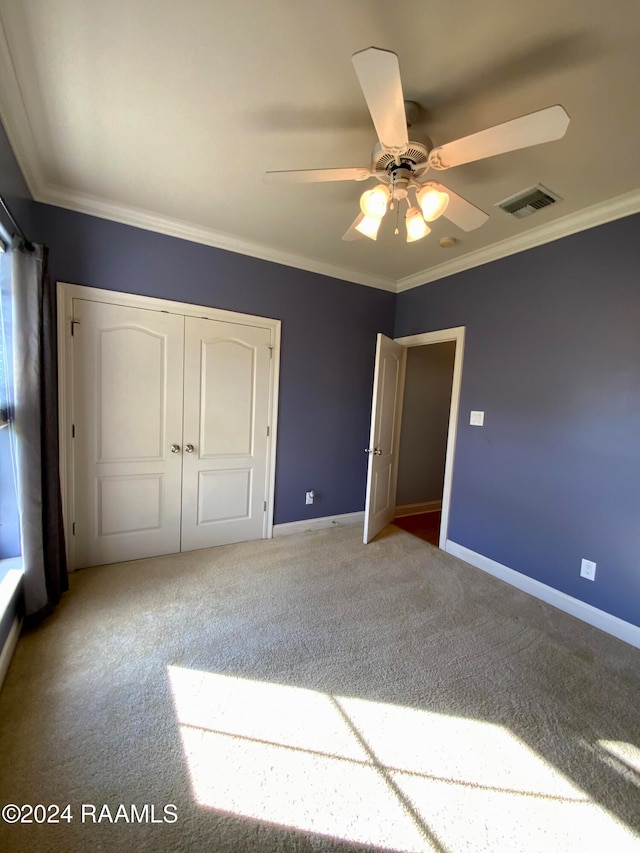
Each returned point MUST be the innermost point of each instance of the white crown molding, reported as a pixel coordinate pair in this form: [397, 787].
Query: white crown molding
[15, 120]
[124, 214]
[14, 117]
[598, 214]
[590, 217]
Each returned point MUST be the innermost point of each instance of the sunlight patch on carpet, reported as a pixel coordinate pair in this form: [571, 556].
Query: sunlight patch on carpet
[626, 754]
[391, 777]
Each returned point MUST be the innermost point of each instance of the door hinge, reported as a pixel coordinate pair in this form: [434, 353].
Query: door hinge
[268, 431]
[73, 430]
[270, 351]
[73, 529]
[265, 506]
[74, 323]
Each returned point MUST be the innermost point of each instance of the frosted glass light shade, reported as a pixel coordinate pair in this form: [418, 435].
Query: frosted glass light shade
[374, 202]
[417, 228]
[369, 226]
[433, 203]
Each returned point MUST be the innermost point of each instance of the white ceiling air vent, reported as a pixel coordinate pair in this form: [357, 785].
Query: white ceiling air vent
[529, 201]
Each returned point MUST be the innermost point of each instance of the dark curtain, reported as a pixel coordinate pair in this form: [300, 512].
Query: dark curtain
[35, 426]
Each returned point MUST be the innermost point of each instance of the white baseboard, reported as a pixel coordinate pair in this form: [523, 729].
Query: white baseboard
[318, 523]
[418, 509]
[586, 612]
[8, 648]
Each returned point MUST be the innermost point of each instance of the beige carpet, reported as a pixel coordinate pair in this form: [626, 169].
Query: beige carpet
[310, 693]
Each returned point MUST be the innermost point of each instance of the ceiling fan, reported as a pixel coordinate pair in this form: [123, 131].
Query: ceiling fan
[401, 165]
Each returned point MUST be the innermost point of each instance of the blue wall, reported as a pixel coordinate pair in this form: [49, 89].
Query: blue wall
[328, 340]
[552, 357]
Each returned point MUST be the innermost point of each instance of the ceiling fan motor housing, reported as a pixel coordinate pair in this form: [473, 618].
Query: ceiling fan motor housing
[415, 159]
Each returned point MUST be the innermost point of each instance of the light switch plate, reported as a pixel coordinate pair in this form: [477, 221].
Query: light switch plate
[477, 419]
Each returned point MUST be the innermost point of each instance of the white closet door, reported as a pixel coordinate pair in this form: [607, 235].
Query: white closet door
[127, 412]
[227, 374]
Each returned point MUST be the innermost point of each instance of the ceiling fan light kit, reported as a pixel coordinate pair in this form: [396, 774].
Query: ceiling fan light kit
[368, 226]
[374, 202]
[433, 203]
[417, 228]
[400, 165]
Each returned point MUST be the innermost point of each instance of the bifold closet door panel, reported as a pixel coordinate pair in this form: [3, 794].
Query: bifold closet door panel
[127, 450]
[227, 374]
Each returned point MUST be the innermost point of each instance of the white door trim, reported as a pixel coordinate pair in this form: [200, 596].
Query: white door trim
[442, 336]
[66, 293]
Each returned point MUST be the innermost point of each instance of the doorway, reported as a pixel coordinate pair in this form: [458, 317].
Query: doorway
[423, 439]
[387, 408]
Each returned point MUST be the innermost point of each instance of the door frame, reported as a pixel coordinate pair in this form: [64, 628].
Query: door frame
[456, 334]
[66, 293]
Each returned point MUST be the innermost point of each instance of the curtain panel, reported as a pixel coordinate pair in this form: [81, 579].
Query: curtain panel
[35, 428]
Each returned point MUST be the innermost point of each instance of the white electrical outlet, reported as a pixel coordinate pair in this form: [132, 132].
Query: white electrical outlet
[588, 570]
[477, 419]
[308, 497]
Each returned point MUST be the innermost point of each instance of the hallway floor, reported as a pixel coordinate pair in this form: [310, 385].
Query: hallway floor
[425, 526]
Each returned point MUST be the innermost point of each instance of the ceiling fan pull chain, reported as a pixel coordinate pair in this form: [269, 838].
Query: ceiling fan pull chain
[397, 230]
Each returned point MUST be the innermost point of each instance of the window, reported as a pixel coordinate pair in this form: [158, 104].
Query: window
[4, 347]
[9, 519]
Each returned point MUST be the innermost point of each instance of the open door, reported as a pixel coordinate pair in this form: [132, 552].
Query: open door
[386, 413]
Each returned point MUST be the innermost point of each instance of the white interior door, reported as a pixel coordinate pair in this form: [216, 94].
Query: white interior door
[226, 419]
[127, 414]
[386, 413]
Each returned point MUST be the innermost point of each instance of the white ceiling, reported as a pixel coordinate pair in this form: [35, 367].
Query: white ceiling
[166, 115]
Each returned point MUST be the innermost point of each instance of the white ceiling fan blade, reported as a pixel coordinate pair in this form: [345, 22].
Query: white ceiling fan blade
[461, 212]
[351, 233]
[378, 73]
[312, 176]
[533, 129]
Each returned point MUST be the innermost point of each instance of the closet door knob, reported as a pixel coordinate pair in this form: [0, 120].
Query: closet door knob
[189, 448]
[175, 448]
